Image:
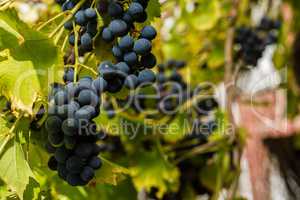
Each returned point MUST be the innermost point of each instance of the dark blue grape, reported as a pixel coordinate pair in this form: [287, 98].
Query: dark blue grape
[146, 76]
[126, 43]
[131, 58]
[148, 61]
[68, 5]
[175, 76]
[52, 163]
[117, 52]
[80, 18]
[142, 46]
[114, 85]
[135, 10]
[123, 67]
[144, 3]
[88, 97]
[61, 154]
[90, 13]
[107, 35]
[69, 25]
[72, 39]
[74, 164]
[87, 174]
[118, 27]
[86, 40]
[68, 75]
[53, 123]
[99, 85]
[62, 171]
[127, 18]
[75, 180]
[142, 18]
[148, 32]
[131, 81]
[115, 9]
[60, 98]
[60, 2]
[85, 113]
[95, 162]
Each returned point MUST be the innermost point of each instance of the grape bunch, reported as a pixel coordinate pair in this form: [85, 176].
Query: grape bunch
[86, 19]
[252, 41]
[122, 21]
[72, 135]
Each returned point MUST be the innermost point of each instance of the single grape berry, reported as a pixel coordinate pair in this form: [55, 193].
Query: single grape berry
[90, 13]
[146, 76]
[117, 52]
[99, 85]
[52, 163]
[69, 25]
[142, 46]
[123, 67]
[115, 9]
[80, 18]
[131, 81]
[95, 162]
[148, 32]
[70, 142]
[131, 58]
[148, 61]
[118, 27]
[86, 40]
[126, 43]
[53, 124]
[88, 97]
[87, 174]
[60, 98]
[61, 154]
[142, 18]
[62, 171]
[85, 113]
[135, 10]
[107, 35]
[75, 180]
[56, 139]
[114, 85]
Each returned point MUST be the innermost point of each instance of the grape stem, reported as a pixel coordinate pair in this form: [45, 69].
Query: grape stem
[89, 68]
[51, 20]
[73, 11]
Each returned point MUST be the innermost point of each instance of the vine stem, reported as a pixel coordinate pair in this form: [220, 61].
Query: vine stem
[76, 53]
[230, 81]
[89, 68]
[51, 20]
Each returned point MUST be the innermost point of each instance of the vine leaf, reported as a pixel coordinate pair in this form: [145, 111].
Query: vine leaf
[110, 173]
[24, 72]
[14, 169]
[9, 24]
[153, 10]
[206, 16]
[152, 170]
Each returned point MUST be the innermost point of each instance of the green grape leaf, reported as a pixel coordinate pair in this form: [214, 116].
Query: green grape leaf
[24, 72]
[14, 169]
[110, 173]
[9, 24]
[216, 57]
[206, 15]
[178, 128]
[153, 9]
[152, 170]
